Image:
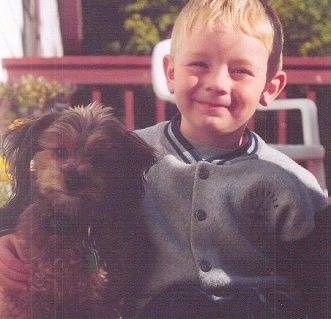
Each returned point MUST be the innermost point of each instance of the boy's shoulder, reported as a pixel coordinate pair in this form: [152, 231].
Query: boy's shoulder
[268, 153]
[152, 134]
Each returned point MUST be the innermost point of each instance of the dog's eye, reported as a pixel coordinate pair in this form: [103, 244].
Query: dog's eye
[61, 153]
[100, 160]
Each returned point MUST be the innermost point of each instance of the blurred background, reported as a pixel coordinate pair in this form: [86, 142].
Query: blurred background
[60, 52]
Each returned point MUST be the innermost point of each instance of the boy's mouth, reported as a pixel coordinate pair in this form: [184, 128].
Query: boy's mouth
[213, 104]
[223, 101]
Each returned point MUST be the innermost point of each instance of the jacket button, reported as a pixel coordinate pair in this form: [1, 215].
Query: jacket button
[200, 215]
[203, 174]
[205, 266]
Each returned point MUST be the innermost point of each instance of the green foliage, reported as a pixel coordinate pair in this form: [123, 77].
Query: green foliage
[31, 96]
[4, 192]
[307, 24]
[4, 182]
[146, 23]
[145, 33]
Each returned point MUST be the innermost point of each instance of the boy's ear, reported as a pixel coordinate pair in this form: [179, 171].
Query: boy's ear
[169, 71]
[273, 87]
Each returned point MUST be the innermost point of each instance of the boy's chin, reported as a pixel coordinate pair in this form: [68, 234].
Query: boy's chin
[219, 127]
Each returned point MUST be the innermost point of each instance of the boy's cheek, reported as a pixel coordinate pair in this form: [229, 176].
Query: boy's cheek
[193, 81]
[185, 83]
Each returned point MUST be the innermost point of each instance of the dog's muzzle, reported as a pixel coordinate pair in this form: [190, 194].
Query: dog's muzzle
[59, 223]
[76, 181]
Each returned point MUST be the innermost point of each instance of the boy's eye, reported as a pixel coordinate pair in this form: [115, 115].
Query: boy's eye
[61, 153]
[199, 64]
[241, 71]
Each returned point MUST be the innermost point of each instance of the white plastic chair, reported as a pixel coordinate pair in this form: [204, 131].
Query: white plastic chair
[310, 150]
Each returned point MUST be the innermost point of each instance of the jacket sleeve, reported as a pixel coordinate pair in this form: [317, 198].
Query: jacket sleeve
[307, 263]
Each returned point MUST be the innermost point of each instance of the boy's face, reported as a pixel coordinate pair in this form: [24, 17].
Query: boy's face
[219, 78]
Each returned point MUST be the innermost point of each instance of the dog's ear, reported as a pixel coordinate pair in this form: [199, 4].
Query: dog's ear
[19, 145]
[143, 155]
[138, 157]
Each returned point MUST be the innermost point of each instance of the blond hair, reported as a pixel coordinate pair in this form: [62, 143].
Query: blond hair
[253, 17]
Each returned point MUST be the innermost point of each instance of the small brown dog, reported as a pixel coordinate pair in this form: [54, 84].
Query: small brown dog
[78, 178]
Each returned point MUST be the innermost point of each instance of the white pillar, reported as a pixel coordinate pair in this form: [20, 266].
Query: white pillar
[50, 32]
[11, 27]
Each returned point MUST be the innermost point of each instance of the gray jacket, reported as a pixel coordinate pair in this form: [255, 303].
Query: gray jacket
[218, 221]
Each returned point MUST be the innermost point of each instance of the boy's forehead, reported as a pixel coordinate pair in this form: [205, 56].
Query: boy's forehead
[204, 42]
[258, 26]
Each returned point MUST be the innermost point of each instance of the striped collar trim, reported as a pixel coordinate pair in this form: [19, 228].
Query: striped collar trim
[189, 155]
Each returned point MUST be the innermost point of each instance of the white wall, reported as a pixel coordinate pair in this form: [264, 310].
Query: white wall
[50, 33]
[11, 24]
[11, 27]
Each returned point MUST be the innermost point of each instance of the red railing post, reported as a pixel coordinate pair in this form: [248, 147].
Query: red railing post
[160, 110]
[311, 93]
[96, 95]
[129, 109]
[282, 123]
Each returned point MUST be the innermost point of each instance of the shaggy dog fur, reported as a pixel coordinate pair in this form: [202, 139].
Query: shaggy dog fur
[78, 178]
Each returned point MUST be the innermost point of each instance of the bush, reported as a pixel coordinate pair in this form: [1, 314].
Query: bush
[31, 96]
[4, 182]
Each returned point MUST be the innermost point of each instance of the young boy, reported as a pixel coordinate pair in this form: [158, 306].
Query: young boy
[225, 210]
[227, 214]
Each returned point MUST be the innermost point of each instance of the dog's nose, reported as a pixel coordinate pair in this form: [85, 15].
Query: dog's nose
[75, 180]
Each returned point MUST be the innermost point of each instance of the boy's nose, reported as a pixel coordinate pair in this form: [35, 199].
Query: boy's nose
[219, 81]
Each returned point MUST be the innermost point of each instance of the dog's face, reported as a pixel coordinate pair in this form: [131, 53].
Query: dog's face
[77, 156]
[83, 153]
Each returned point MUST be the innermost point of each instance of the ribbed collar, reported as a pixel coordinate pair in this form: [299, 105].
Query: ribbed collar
[189, 154]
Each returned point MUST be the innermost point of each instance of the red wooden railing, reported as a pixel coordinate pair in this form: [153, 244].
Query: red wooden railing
[130, 72]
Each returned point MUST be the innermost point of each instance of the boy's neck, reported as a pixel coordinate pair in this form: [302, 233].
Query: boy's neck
[230, 141]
